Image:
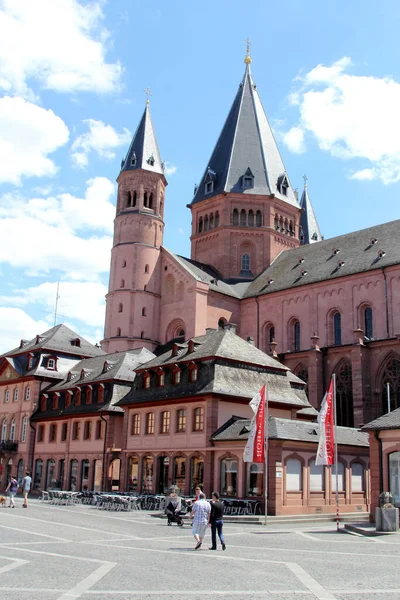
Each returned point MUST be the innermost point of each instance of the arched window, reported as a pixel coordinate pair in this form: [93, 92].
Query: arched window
[133, 474]
[255, 479]
[192, 372]
[120, 307]
[24, 429]
[251, 218]
[134, 199]
[12, 430]
[128, 199]
[151, 201]
[294, 479]
[368, 324]
[281, 224]
[245, 262]
[229, 476]
[16, 394]
[295, 336]
[211, 220]
[276, 222]
[206, 223]
[28, 393]
[200, 224]
[286, 226]
[179, 472]
[258, 218]
[235, 217]
[4, 430]
[390, 375]
[269, 336]
[291, 229]
[145, 199]
[357, 477]
[344, 394]
[243, 217]
[50, 474]
[37, 480]
[73, 475]
[337, 329]
[217, 219]
[316, 477]
[196, 472]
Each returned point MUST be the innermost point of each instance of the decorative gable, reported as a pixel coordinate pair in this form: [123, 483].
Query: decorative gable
[7, 372]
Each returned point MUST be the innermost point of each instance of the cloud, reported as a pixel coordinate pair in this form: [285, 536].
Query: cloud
[29, 134]
[100, 138]
[60, 44]
[169, 168]
[350, 116]
[16, 325]
[78, 301]
[64, 233]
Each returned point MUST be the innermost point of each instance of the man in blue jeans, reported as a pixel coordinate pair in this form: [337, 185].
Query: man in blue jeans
[216, 521]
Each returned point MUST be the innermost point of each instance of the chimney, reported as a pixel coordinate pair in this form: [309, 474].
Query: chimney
[231, 326]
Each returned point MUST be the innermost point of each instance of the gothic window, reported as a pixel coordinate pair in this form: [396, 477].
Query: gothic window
[145, 199]
[251, 218]
[243, 217]
[368, 323]
[120, 307]
[302, 372]
[391, 376]
[344, 395]
[294, 336]
[269, 336]
[337, 329]
[216, 219]
[283, 184]
[211, 220]
[245, 262]
[200, 224]
[206, 223]
[151, 201]
[235, 217]
[258, 219]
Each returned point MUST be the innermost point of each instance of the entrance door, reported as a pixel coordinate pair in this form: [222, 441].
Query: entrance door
[114, 474]
[163, 472]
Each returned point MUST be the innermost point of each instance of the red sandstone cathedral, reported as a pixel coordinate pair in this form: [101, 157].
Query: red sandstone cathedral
[188, 341]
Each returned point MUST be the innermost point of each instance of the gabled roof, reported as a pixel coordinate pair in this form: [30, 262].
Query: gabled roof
[143, 152]
[286, 429]
[356, 252]
[246, 142]
[389, 421]
[308, 221]
[57, 339]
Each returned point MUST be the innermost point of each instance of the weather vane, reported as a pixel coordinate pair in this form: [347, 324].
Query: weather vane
[305, 180]
[247, 60]
[148, 94]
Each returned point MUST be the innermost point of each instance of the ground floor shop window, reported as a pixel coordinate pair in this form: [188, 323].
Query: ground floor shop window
[73, 475]
[85, 474]
[163, 474]
[293, 475]
[133, 474]
[340, 469]
[229, 477]
[316, 477]
[50, 474]
[147, 474]
[38, 474]
[196, 473]
[394, 477]
[180, 472]
[255, 480]
[357, 477]
[97, 475]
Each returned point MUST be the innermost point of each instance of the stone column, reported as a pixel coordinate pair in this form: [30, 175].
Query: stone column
[360, 366]
[315, 374]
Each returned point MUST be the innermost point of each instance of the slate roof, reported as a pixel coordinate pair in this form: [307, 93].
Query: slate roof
[308, 220]
[57, 339]
[286, 429]
[246, 142]
[389, 421]
[143, 152]
[356, 251]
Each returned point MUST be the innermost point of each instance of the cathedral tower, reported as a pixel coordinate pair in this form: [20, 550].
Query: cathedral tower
[133, 299]
[244, 211]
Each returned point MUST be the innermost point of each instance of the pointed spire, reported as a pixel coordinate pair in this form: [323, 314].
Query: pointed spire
[246, 141]
[143, 152]
[310, 231]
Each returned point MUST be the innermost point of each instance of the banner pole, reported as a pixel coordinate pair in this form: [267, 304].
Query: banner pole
[266, 455]
[388, 395]
[336, 451]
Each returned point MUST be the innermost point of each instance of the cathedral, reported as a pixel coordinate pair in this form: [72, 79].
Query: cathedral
[188, 341]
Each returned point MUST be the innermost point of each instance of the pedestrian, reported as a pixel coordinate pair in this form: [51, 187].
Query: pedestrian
[26, 488]
[201, 513]
[216, 521]
[12, 489]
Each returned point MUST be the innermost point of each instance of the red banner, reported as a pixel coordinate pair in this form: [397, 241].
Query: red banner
[255, 447]
[326, 446]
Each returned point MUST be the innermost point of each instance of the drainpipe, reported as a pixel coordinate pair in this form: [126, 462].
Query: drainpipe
[258, 322]
[32, 440]
[386, 301]
[380, 461]
[103, 469]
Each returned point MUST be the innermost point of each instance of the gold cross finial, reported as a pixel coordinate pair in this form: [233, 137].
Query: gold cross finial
[305, 180]
[148, 94]
[247, 59]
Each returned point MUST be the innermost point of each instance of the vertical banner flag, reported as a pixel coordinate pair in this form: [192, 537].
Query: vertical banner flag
[255, 447]
[326, 445]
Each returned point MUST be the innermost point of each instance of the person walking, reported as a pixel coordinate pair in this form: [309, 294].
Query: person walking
[201, 513]
[216, 521]
[12, 489]
[26, 488]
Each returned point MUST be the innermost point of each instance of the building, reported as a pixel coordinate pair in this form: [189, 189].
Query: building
[26, 372]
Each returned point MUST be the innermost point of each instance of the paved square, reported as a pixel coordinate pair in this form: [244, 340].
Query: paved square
[66, 552]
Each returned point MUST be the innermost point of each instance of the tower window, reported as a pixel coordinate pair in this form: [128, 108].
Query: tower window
[258, 218]
[200, 224]
[120, 307]
[235, 217]
[144, 311]
[133, 160]
[122, 283]
[206, 223]
[118, 331]
[211, 220]
[145, 199]
[248, 179]
[243, 217]
[146, 269]
[251, 218]
[337, 329]
[123, 264]
[209, 187]
[151, 201]
[245, 262]
[216, 219]
[134, 198]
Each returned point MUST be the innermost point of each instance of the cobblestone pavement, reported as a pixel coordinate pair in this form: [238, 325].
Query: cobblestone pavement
[68, 552]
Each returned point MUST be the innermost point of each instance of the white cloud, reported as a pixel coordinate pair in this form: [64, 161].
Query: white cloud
[169, 168]
[78, 301]
[350, 116]
[29, 134]
[100, 138]
[61, 44]
[294, 140]
[44, 234]
[16, 325]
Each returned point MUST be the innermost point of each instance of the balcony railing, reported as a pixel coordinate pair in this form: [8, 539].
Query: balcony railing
[8, 446]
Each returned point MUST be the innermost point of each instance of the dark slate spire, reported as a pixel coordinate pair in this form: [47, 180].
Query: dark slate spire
[309, 229]
[143, 152]
[246, 157]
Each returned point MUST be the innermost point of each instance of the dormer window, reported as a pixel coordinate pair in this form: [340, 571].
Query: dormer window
[30, 363]
[83, 373]
[146, 380]
[283, 184]
[160, 377]
[209, 187]
[105, 366]
[69, 376]
[209, 181]
[192, 372]
[335, 251]
[314, 236]
[133, 160]
[76, 342]
[176, 375]
[151, 161]
[51, 364]
[248, 180]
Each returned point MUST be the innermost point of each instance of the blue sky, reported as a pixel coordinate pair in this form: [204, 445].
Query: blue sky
[72, 75]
